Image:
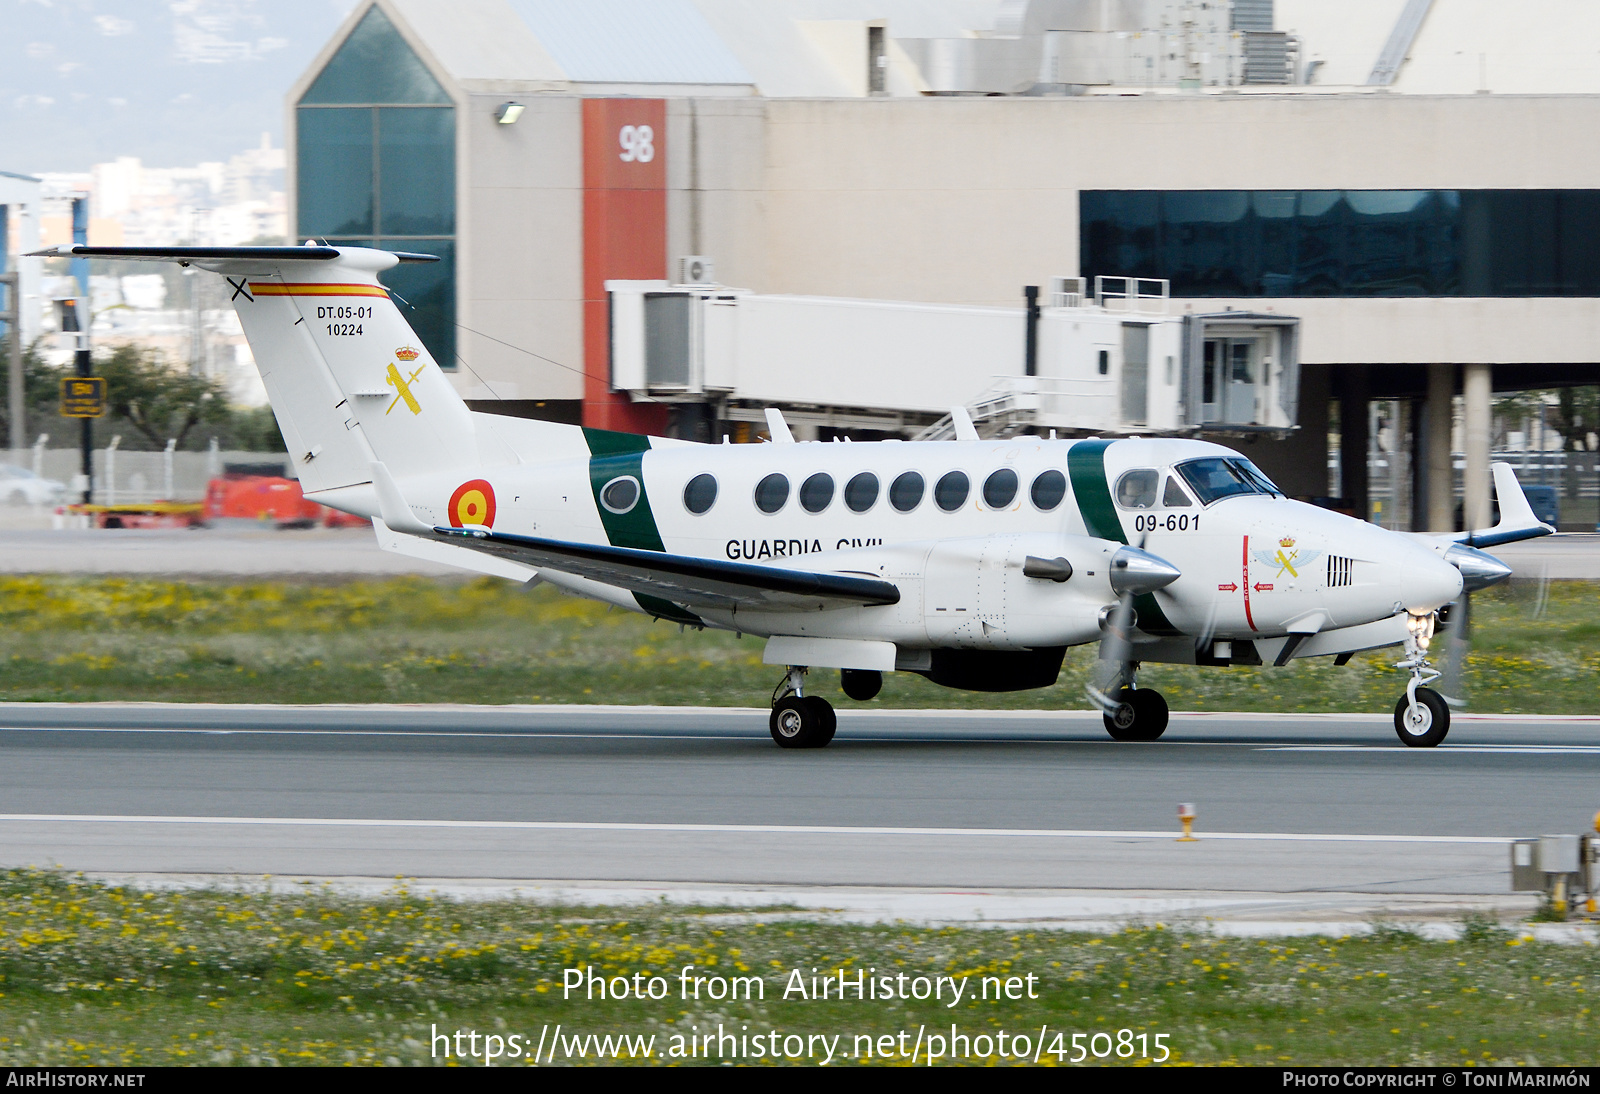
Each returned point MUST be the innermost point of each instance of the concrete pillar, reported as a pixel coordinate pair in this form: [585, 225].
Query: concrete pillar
[1477, 389]
[1353, 386]
[1435, 509]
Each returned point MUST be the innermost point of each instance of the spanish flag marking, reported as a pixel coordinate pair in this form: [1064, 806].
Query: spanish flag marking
[472, 503]
[274, 288]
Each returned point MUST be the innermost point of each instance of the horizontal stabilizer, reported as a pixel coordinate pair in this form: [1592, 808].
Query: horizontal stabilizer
[310, 253]
[682, 579]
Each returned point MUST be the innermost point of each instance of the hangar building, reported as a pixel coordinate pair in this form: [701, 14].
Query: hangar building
[1409, 178]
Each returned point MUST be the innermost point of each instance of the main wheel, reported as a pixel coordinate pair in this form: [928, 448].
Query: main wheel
[1428, 726]
[801, 723]
[1138, 716]
[860, 684]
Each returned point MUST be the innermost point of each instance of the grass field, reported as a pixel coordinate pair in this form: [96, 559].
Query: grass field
[486, 641]
[92, 974]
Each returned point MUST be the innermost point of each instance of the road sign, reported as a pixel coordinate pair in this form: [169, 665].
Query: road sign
[83, 397]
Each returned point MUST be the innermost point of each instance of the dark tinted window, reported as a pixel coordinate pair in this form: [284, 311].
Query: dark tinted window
[620, 495]
[905, 493]
[335, 160]
[1346, 242]
[861, 492]
[950, 492]
[771, 493]
[701, 493]
[816, 492]
[1256, 478]
[1048, 489]
[1000, 488]
[1213, 479]
[1173, 496]
[416, 172]
[429, 290]
[374, 65]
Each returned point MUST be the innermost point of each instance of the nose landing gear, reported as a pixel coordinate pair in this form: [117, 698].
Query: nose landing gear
[799, 720]
[1136, 714]
[1422, 717]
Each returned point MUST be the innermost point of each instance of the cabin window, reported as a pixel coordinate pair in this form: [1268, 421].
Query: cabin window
[1000, 488]
[1137, 488]
[816, 493]
[861, 492]
[1048, 490]
[620, 495]
[771, 493]
[950, 492]
[905, 493]
[701, 494]
[1173, 496]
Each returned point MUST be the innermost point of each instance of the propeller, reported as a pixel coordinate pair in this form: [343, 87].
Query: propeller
[1479, 570]
[1134, 571]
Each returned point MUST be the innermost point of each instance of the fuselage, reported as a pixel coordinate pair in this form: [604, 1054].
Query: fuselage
[952, 523]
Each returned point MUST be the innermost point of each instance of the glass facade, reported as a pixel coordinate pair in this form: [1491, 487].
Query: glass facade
[1349, 243]
[375, 166]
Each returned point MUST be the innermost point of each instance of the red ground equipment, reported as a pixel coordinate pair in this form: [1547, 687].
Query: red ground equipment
[260, 491]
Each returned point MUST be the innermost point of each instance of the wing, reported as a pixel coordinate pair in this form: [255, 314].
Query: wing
[683, 579]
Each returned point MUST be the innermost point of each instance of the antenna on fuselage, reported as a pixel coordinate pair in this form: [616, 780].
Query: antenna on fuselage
[777, 427]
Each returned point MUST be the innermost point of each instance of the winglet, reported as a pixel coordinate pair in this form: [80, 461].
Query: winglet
[962, 420]
[777, 427]
[392, 505]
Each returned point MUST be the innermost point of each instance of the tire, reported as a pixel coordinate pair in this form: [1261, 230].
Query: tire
[1432, 723]
[796, 722]
[860, 684]
[827, 720]
[1139, 716]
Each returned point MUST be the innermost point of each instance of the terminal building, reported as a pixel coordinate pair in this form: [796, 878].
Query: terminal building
[1403, 184]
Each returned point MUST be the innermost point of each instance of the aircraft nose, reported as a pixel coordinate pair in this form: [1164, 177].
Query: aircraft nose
[1136, 571]
[1431, 582]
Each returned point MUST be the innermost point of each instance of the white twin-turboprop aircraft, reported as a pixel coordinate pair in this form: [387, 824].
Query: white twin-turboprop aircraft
[974, 563]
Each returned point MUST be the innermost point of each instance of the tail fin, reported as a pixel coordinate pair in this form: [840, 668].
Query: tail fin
[350, 382]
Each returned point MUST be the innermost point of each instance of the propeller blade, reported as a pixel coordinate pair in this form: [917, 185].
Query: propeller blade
[1457, 645]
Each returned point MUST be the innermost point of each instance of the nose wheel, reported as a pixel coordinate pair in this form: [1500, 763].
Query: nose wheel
[1136, 714]
[1424, 723]
[799, 720]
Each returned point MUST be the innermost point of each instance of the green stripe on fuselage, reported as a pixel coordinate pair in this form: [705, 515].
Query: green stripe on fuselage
[1086, 464]
[612, 455]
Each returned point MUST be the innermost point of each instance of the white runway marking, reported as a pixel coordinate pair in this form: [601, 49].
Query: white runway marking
[1442, 750]
[795, 829]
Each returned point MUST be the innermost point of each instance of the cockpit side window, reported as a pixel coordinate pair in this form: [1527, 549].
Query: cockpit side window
[1173, 496]
[1213, 479]
[1137, 488]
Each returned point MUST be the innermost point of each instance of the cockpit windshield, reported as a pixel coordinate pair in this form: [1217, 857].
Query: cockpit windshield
[1215, 478]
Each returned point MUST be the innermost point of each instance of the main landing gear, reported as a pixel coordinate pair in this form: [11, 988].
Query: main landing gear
[799, 720]
[1136, 714]
[1422, 717]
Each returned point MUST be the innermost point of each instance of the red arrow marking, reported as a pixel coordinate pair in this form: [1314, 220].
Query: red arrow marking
[1262, 588]
[1230, 587]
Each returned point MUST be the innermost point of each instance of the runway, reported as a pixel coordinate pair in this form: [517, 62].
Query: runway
[1016, 800]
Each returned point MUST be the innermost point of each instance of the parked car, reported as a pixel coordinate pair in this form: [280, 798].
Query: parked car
[20, 486]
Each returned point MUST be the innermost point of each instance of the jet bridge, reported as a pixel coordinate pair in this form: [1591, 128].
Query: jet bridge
[1117, 359]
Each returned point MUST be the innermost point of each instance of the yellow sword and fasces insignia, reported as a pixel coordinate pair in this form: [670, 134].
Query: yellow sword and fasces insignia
[1286, 557]
[402, 387]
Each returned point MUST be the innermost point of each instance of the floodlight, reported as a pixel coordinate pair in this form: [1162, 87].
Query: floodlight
[508, 113]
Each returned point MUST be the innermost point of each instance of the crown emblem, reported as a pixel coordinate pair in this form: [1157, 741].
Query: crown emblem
[1286, 542]
[408, 353]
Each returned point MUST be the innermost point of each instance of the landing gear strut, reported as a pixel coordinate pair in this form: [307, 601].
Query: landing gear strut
[1422, 717]
[799, 720]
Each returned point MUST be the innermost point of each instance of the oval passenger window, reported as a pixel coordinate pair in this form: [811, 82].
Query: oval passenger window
[1137, 488]
[861, 492]
[816, 492]
[950, 493]
[1048, 490]
[701, 494]
[1000, 488]
[905, 493]
[621, 494]
[771, 493]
